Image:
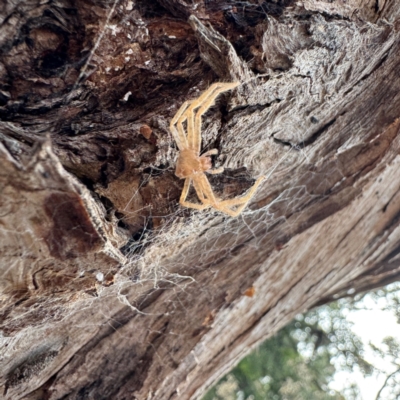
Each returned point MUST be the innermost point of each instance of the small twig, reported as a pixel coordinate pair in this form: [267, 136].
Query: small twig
[385, 383]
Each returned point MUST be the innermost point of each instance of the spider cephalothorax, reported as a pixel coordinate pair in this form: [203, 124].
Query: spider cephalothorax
[192, 166]
[189, 163]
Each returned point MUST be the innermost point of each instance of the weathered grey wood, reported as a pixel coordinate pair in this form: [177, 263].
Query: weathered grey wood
[111, 290]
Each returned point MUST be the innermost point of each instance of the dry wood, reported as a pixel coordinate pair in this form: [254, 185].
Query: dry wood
[110, 289]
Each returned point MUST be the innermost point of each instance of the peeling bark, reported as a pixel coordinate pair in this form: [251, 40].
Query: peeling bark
[110, 289]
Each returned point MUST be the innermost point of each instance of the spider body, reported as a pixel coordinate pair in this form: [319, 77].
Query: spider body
[192, 165]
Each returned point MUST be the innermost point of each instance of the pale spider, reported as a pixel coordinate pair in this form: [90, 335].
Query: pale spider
[191, 166]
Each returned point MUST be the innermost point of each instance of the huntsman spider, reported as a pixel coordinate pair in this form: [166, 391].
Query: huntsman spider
[192, 166]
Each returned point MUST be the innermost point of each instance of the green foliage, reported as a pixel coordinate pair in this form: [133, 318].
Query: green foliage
[300, 361]
[277, 370]
[297, 363]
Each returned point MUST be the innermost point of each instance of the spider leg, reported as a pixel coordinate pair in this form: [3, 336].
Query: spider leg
[202, 185]
[212, 152]
[184, 194]
[194, 134]
[177, 130]
[188, 115]
[185, 190]
[226, 205]
[216, 171]
[204, 103]
[213, 171]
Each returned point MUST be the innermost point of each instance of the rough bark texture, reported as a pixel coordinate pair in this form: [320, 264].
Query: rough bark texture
[110, 289]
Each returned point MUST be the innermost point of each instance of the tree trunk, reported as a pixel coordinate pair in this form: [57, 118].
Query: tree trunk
[112, 290]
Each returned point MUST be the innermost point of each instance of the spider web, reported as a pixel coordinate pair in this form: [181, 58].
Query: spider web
[186, 242]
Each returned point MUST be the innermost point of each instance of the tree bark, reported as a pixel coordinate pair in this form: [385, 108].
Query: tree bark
[109, 288]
